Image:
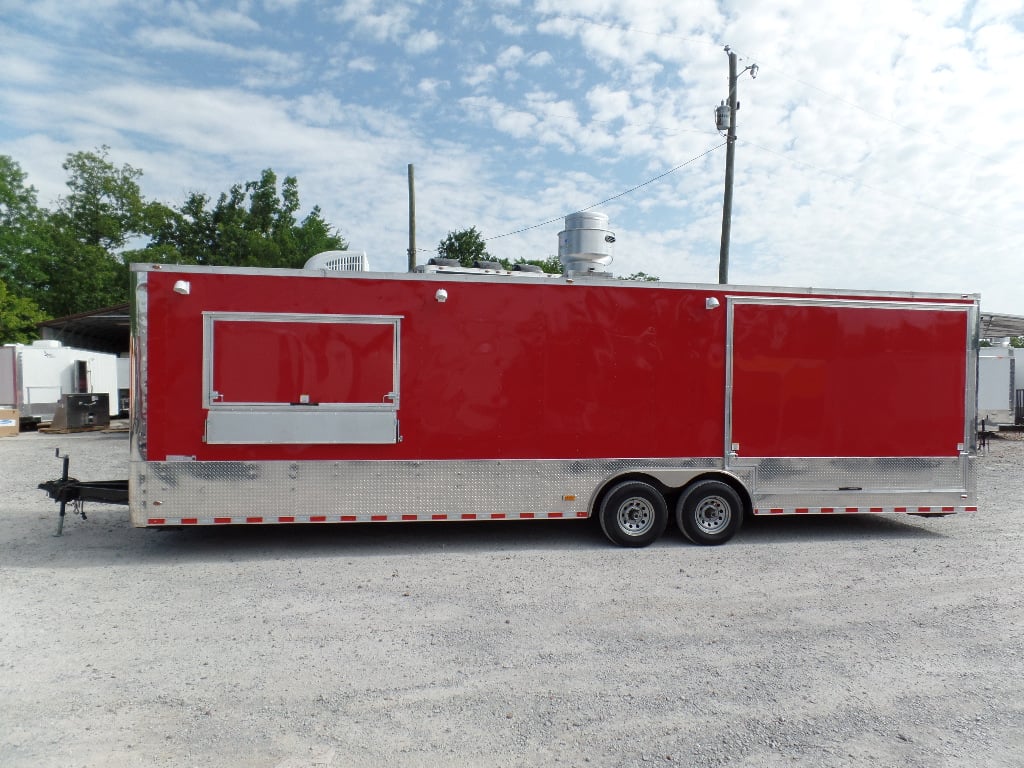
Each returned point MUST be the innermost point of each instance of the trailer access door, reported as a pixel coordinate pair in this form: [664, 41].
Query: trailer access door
[302, 379]
[832, 378]
[850, 405]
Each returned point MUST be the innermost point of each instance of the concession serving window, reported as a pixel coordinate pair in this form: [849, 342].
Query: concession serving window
[300, 379]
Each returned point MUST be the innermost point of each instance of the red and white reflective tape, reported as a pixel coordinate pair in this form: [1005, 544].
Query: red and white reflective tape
[401, 518]
[932, 510]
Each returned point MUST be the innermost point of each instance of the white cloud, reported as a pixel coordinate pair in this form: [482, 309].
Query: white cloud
[18, 69]
[608, 104]
[510, 57]
[206, 21]
[55, 14]
[878, 146]
[479, 75]
[540, 59]
[421, 42]
[362, 64]
[430, 86]
[174, 39]
[986, 12]
[508, 25]
[264, 67]
[380, 19]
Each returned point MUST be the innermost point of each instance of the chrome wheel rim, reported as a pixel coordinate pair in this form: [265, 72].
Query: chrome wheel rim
[635, 516]
[712, 515]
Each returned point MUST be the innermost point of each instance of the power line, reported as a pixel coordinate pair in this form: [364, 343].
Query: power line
[613, 197]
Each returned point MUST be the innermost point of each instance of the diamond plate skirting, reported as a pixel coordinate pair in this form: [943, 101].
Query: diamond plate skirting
[192, 492]
[372, 490]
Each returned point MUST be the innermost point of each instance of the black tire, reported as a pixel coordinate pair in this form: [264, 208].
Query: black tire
[709, 512]
[633, 514]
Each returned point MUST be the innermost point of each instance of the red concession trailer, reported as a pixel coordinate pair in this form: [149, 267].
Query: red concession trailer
[265, 396]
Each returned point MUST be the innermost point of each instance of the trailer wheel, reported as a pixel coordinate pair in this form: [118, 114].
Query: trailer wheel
[633, 514]
[710, 512]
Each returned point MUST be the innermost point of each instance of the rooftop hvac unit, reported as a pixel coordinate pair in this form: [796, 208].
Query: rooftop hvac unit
[339, 261]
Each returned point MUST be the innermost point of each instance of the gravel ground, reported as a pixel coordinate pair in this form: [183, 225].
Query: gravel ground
[845, 641]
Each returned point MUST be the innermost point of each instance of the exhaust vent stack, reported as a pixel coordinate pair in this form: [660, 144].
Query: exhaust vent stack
[586, 243]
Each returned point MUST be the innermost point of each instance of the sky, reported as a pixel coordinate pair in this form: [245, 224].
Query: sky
[880, 147]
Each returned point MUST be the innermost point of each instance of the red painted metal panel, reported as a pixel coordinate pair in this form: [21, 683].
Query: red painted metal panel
[523, 369]
[278, 362]
[848, 381]
[501, 370]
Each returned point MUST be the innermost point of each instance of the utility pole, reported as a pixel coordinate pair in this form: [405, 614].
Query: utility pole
[725, 118]
[730, 160]
[412, 221]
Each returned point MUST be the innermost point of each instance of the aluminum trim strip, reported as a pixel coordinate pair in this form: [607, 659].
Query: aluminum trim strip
[139, 368]
[912, 509]
[713, 288]
[482, 517]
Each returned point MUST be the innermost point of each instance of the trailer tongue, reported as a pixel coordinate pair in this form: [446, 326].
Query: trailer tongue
[66, 489]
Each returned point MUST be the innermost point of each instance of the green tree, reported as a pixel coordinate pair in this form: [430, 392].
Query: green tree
[18, 318]
[75, 263]
[466, 245]
[253, 225]
[104, 205]
[1015, 341]
[19, 227]
[643, 277]
[469, 246]
[552, 264]
[75, 258]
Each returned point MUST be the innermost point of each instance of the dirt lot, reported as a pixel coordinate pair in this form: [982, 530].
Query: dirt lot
[882, 641]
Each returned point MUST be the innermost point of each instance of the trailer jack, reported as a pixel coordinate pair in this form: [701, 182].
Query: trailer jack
[68, 489]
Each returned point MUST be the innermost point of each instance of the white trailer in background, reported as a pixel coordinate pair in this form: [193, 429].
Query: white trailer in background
[33, 379]
[997, 385]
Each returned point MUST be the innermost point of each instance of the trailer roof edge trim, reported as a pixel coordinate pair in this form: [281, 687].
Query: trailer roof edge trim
[576, 279]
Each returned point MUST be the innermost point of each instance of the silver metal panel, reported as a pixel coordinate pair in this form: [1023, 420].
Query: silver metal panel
[971, 396]
[862, 482]
[390, 490]
[870, 474]
[298, 426]
[179, 489]
[139, 369]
